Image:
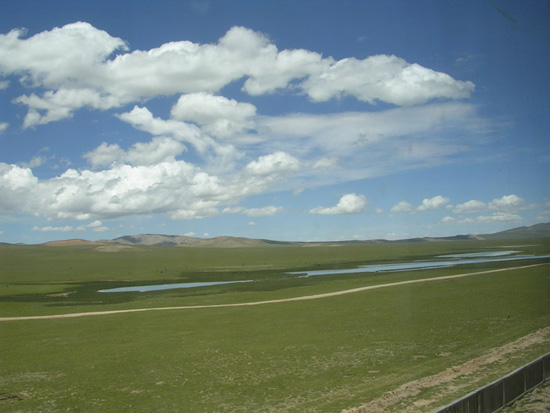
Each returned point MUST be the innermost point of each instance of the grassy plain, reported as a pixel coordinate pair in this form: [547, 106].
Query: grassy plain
[319, 355]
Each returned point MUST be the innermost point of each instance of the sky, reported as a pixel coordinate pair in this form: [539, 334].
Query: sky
[301, 120]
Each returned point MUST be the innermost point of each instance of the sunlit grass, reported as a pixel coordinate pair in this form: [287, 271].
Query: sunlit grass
[319, 355]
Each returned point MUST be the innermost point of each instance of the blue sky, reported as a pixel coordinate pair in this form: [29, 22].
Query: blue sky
[289, 120]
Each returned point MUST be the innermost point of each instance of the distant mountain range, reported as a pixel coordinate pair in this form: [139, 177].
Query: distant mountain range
[534, 231]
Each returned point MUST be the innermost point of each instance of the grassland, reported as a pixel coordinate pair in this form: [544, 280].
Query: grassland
[320, 355]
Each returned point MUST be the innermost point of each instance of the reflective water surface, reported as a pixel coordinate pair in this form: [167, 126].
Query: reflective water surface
[158, 287]
[442, 261]
[456, 259]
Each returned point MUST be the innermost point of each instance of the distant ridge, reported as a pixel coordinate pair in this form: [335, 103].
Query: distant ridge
[156, 239]
[71, 242]
[535, 231]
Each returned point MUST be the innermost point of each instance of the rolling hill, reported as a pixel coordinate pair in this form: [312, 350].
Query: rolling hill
[534, 231]
[525, 232]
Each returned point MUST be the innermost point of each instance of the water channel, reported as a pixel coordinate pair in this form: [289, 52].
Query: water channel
[159, 287]
[444, 261]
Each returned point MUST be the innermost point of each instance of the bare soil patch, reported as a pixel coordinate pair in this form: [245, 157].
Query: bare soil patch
[448, 382]
[537, 401]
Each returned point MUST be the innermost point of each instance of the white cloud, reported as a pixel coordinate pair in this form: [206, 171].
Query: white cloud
[4, 84]
[427, 205]
[175, 188]
[402, 206]
[51, 57]
[66, 228]
[470, 207]
[508, 203]
[3, 126]
[433, 203]
[367, 144]
[495, 218]
[254, 212]
[348, 204]
[219, 116]
[95, 226]
[275, 163]
[160, 149]
[500, 217]
[385, 78]
[61, 104]
[100, 229]
[220, 154]
[358, 145]
[325, 163]
[76, 66]
[36, 161]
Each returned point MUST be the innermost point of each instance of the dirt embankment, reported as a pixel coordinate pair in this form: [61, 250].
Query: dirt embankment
[450, 381]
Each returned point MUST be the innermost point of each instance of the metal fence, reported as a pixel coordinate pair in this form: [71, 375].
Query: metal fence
[503, 391]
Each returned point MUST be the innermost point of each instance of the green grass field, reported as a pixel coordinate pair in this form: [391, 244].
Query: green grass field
[321, 355]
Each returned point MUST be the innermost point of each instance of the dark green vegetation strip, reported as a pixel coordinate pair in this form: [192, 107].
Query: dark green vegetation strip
[318, 355]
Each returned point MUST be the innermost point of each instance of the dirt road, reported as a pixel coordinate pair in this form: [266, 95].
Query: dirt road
[283, 300]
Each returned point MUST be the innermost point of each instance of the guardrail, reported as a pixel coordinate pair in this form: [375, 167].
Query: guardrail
[503, 391]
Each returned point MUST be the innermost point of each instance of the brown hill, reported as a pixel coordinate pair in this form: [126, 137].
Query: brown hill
[71, 243]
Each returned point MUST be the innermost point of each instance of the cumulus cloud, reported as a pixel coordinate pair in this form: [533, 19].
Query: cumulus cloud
[433, 203]
[60, 104]
[508, 203]
[402, 206]
[219, 116]
[79, 66]
[428, 204]
[348, 204]
[220, 154]
[160, 149]
[3, 126]
[175, 188]
[97, 226]
[470, 207]
[82, 66]
[275, 163]
[385, 78]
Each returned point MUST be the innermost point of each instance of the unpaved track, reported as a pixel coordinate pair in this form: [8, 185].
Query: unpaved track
[283, 300]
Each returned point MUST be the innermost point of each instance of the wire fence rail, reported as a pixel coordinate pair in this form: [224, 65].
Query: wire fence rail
[503, 391]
